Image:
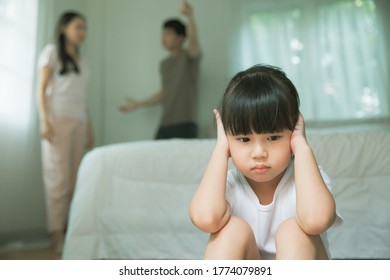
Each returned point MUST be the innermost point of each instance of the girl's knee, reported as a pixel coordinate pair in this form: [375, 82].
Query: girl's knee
[291, 237]
[234, 241]
[290, 232]
[289, 228]
[235, 227]
[237, 223]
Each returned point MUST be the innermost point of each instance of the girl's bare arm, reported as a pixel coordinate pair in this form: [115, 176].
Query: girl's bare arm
[315, 204]
[209, 210]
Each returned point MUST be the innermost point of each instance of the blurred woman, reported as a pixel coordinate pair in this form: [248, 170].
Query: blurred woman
[65, 126]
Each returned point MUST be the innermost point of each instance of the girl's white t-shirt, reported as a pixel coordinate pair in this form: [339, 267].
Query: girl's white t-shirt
[66, 94]
[265, 219]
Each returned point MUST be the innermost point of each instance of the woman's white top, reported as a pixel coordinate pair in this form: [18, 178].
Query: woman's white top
[66, 94]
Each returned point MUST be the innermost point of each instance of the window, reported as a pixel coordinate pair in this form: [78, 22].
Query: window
[333, 51]
[18, 39]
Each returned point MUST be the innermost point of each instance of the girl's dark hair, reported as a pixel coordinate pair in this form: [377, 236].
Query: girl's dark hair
[68, 63]
[176, 25]
[260, 100]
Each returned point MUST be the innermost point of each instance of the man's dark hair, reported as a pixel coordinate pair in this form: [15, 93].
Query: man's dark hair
[260, 100]
[176, 25]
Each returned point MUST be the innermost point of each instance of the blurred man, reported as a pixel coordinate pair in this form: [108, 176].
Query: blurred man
[179, 73]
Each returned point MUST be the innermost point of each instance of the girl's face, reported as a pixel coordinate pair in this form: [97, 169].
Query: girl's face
[75, 31]
[261, 158]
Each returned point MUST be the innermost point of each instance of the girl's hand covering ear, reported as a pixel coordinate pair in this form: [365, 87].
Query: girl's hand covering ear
[298, 134]
[222, 140]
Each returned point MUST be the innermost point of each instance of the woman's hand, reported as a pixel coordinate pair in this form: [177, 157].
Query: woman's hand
[222, 140]
[299, 134]
[90, 137]
[47, 131]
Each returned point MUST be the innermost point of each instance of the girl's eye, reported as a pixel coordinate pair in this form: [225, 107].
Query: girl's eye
[244, 139]
[273, 138]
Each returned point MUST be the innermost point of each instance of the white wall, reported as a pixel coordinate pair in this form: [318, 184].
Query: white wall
[124, 44]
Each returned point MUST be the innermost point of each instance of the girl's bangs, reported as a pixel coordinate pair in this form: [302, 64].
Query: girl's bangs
[260, 114]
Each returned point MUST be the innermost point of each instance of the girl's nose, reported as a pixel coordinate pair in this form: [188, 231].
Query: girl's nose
[259, 151]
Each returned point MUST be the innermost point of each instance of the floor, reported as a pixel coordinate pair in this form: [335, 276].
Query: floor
[38, 249]
[45, 253]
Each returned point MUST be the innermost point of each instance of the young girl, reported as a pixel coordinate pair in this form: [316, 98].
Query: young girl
[277, 202]
[65, 127]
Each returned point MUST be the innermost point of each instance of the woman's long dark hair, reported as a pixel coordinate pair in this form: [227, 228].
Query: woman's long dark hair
[68, 63]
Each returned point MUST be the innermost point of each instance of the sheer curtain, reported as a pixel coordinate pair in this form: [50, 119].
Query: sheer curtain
[18, 32]
[334, 51]
[21, 191]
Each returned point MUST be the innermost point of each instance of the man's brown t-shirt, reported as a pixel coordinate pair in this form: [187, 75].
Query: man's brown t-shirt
[180, 88]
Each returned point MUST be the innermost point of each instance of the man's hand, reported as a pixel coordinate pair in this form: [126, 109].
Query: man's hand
[186, 9]
[130, 105]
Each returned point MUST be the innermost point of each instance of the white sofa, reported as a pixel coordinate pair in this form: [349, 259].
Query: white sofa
[132, 199]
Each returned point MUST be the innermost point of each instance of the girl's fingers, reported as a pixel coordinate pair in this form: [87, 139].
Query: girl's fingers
[301, 122]
[220, 129]
[300, 127]
[216, 113]
[221, 135]
[217, 117]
